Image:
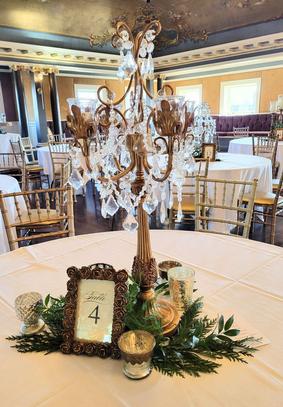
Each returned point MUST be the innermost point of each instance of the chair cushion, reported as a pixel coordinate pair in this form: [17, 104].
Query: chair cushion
[34, 168]
[188, 204]
[275, 183]
[43, 219]
[263, 199]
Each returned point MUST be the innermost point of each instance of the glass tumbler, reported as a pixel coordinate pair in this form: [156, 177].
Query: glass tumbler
[181, 284]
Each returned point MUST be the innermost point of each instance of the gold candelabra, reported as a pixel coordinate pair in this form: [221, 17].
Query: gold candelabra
[171, 122]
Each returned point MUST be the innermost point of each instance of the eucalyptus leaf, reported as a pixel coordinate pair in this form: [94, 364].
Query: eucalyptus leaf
[232, 332]
[221, 324]
[229, 323]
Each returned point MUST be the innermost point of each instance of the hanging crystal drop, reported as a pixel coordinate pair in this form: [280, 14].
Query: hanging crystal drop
[76, 180]
[111, 206]
[171, 198]
[150, 203]
[130, 224]
[179, 213]
[103, 209]
[162, 212]
[129, 65]
[150, 67]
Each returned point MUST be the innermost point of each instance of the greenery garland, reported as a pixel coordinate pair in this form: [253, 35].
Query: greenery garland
[196, 347]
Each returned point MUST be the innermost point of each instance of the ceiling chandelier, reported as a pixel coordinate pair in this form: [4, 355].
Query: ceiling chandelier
[136, 155]
[176, 27]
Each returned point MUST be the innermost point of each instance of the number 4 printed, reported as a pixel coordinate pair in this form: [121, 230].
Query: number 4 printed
[94, 314]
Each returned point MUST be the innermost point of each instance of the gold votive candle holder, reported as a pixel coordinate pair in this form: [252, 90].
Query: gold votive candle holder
[181, 285]
[166, 265]
[136, 349]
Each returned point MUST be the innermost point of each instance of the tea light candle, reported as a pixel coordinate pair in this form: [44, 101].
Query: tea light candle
[181, 284]
[136, 348]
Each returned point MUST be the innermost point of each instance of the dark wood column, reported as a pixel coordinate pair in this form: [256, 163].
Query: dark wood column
[55, 106]
[159, 83]
[21, 102]
[39, 108]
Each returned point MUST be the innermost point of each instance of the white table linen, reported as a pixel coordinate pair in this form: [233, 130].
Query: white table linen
[5, 145]
[245, 146]
[231, 273]
[9, 185]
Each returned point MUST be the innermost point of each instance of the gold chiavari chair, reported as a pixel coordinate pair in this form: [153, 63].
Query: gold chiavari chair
[41, 217]
[267, 207]
[187, 205]
[29, 150]
[33, 172]
[59, 153]
[9, 166]
[239, 132]
[222, 209]
[266, 146]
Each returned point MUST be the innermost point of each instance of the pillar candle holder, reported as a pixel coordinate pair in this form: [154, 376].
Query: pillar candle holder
[181, 284]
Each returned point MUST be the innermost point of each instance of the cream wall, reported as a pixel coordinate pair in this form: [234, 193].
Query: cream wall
[271, 87]
[66, 90]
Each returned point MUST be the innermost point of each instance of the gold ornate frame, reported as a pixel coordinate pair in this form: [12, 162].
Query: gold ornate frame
[98, 271]
[208, 145]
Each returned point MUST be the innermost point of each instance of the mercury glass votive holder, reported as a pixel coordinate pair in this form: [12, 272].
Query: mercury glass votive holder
[166, 265]
[136, 349]
[26, 310]
[181, 284]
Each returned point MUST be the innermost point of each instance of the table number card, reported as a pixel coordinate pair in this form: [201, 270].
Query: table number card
[94, 311]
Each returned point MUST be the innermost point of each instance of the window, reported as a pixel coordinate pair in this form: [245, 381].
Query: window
[240, 97]
[192, 93]
[86, 91]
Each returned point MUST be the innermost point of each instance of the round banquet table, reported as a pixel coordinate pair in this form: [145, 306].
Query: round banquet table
[8, 185]
[245, 146]
[5, 146]
[243, 168]
[234, 275]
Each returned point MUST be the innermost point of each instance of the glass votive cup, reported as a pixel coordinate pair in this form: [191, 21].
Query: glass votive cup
[181, 285]
[27, 312]
[136, 349]
[166, 265]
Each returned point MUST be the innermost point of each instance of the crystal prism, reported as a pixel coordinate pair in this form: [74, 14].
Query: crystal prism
[130, 224]
[103, 208]
[111, 206]
[162, 212]
[179, 213]
[76, 180]
[150, 203]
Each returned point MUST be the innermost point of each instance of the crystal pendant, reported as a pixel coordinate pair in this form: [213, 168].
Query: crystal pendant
[179, 213]
[162, 212]
[171, 198]
[150, 203]
[130, 224]
[76, 180]
[150, 67]
[129, 64]
[103, 208]
[111, 206]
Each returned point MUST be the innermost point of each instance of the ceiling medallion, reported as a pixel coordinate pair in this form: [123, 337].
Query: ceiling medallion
[176, 28]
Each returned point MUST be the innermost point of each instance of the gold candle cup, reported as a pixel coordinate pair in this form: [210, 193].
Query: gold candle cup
[136, 349]
[166, 265]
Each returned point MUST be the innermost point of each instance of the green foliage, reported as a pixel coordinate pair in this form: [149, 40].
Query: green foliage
[196, 348]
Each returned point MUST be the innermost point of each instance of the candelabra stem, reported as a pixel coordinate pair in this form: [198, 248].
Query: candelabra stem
[145, 274]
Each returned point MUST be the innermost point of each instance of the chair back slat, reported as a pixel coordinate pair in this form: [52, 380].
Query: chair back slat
[239, 132]
[55, 218]
[224, 208]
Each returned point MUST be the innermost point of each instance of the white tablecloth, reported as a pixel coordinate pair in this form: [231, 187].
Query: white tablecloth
[5, 146]
[231, 273]
[245, 146]
[8, 185]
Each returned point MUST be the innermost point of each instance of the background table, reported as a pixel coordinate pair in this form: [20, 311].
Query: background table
[245, 146]
[5, 146]
[242, 276]
[8, 185]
